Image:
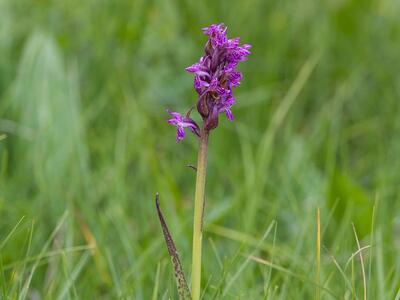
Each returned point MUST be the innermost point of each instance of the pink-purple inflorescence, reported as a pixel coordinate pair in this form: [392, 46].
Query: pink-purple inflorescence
[215, 78]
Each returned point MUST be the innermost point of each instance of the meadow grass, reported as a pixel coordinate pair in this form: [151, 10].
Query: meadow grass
[84, 147]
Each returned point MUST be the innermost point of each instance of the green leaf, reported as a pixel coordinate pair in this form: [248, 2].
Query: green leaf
[183, 289]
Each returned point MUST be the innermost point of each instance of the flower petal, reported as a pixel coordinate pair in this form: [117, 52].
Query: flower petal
[180, 134]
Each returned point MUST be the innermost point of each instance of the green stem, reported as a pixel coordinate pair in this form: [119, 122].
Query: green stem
[198, 215]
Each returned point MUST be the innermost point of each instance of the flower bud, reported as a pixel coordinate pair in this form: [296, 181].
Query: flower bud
[202, 106]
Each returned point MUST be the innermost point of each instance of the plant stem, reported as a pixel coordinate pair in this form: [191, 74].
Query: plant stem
[198, 215]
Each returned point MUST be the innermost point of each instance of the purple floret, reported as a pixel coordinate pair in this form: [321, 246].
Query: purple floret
[181, 123]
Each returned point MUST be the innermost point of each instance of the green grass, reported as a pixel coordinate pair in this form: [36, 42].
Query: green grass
[84, 147]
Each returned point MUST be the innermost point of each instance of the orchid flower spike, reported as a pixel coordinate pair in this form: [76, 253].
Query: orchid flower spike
[215, 76]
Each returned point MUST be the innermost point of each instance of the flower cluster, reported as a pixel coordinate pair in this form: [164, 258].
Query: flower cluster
[215, 78]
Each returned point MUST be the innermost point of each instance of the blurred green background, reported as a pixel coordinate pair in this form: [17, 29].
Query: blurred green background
[84, 86]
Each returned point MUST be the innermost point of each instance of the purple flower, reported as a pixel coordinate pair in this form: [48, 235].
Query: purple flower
[216, 74]
[181, 123]
[216, 34]
[199, 69]
[236, 54]
[215, 77]
[226, 104]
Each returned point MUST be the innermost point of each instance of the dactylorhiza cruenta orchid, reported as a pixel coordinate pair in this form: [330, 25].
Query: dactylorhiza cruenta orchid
[214, 80]
[215, 77]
